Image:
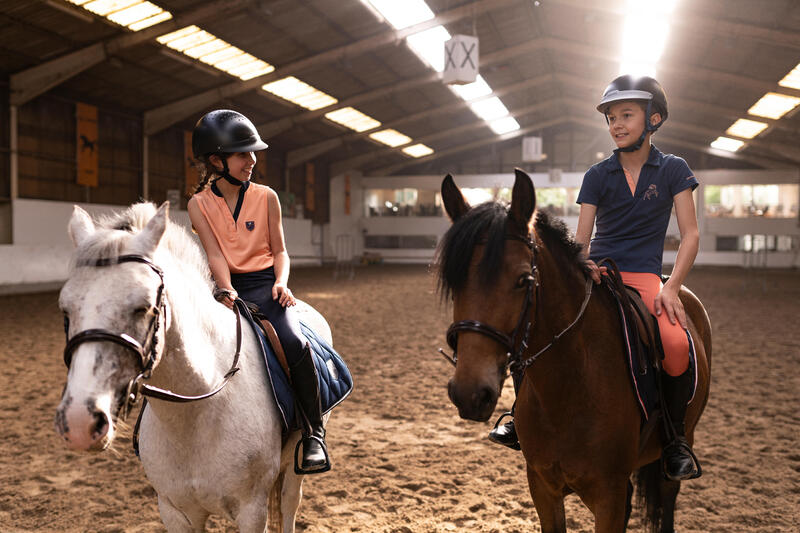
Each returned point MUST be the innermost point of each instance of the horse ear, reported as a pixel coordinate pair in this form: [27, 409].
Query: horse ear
[80, 226]
[453, 200]
[147, 241]
[523, 200]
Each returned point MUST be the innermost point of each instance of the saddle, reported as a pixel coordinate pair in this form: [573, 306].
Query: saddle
[269, 331]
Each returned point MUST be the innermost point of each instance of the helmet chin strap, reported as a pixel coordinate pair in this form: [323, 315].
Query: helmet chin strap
[226, 173]
[648, 127]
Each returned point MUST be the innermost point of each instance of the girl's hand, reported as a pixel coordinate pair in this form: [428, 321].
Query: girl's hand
[284, 296]
[226, 297]
[595, 271]
[667, 300]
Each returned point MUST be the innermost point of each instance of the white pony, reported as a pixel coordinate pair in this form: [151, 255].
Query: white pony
[223, 455]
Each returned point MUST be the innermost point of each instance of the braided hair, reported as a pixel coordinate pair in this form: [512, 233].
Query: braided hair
[207, 172]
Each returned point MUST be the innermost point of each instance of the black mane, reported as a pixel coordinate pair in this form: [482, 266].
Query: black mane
[486, 224]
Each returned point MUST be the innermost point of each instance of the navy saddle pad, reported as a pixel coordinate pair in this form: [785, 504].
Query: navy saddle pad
[335, 380]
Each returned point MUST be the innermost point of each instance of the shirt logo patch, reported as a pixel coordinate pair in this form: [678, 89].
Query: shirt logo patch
[250, 225]
[651, 192]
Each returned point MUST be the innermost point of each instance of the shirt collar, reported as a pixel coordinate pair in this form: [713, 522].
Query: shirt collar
[653, 159]
[215, 189]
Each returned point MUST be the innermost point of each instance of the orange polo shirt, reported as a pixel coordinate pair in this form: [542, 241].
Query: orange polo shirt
[245, 241]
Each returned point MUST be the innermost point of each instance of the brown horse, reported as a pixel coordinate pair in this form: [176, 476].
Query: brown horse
[519, 290]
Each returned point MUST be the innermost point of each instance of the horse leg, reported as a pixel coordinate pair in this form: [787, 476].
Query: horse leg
[252, 516]
[177, 521]
[284, 499]
[549, 504]
[628, 506]
[607, 499]
[669, 494]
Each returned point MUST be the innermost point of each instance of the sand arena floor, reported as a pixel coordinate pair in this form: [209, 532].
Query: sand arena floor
[403, 460]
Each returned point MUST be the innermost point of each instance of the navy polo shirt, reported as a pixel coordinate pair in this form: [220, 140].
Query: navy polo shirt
[631, 227]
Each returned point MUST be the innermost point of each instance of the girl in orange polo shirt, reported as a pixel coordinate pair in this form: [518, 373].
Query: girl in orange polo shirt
[239, 225]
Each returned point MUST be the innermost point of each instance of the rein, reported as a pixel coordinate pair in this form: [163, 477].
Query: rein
[521, 334]
[146, 359]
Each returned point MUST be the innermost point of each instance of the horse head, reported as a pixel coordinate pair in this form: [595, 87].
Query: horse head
[486, 264]
[115, 322]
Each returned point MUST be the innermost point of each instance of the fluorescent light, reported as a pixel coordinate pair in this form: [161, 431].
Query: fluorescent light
[774, 105]
[402, 14]
[429, 45]
[390, 137]
[104, 7]
[489, 109]
[418, 150]
[504, 125]
[473, 90]
[746, 128]
[792, 79]
[352, 118]
[300, 93]
[727, 144]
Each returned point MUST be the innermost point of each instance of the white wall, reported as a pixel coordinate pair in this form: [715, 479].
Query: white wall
[40, 254]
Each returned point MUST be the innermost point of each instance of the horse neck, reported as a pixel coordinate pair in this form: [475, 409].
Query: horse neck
[560, 295]
[200, 335]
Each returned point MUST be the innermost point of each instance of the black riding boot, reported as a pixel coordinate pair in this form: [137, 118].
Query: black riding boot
[306, 387]
[679, 461]
[506, 434]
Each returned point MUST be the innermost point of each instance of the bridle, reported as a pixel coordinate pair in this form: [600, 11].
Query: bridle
[146, 357]
[517, 343]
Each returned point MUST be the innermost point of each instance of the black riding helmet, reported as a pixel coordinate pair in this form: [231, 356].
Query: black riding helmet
[223, 131]
[642, 88]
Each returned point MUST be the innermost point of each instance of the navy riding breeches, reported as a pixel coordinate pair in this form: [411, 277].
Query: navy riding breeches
[256, 287]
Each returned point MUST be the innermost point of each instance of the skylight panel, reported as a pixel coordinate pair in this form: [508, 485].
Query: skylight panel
[206, 48]
[727, 144]
[774, 105]
[221, 55]
[404, 13]
[473, 90]
[746, 128]
[300, 93]
[190, 40]
[504, 125]
[792, 79]
[104, 7]
[390, 137]
[177, 34]
[353, 119]
[643, 42]
[489, 109]
[418, 150]
[429, 46]
[135, 14]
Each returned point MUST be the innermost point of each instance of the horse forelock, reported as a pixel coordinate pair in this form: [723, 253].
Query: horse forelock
[484, 224]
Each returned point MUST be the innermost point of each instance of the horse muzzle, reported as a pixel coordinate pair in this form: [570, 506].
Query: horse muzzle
[84, 427]
[474, 402]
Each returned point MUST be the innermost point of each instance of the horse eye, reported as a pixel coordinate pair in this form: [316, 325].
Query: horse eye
[522, 281]
[141, 310]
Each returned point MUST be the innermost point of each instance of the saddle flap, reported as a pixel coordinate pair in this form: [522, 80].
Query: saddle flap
[644, 320]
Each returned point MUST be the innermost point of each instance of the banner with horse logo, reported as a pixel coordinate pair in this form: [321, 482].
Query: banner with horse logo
[87, 144]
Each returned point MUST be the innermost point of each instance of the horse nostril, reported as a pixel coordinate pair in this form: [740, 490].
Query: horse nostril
[100, 427]
[483, 397]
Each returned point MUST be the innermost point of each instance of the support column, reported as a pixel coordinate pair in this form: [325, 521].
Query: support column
[13, 154]
[145, 167]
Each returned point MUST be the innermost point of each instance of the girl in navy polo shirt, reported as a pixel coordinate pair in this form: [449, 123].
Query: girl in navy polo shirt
[630, 196]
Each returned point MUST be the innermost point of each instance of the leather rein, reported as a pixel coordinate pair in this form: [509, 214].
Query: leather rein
[146, 358]
[515, 344]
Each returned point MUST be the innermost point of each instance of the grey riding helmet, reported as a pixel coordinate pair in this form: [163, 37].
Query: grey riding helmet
[643, 88]
[225, 131]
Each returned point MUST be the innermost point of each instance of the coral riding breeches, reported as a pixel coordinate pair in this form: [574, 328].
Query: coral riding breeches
[673, 336]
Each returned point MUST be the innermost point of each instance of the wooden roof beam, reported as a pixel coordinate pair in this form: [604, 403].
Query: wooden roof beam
[34, 81]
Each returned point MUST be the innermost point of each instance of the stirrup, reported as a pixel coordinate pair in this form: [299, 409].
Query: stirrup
[325, 466]
[682, 444]
[513, 445]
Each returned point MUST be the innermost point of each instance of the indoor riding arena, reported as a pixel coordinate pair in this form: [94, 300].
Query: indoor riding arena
[366, 106]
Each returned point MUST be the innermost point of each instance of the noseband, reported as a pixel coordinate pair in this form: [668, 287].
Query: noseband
[517, 343]
[145, 358]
